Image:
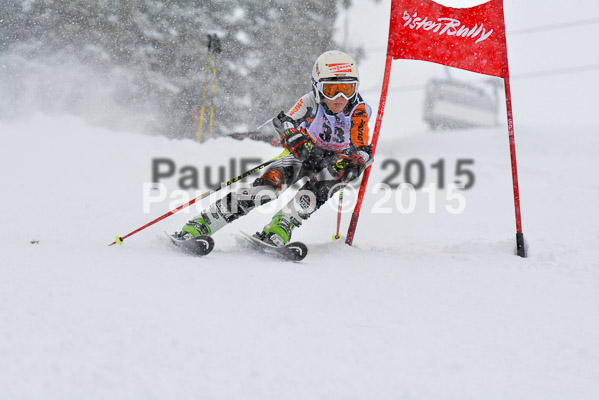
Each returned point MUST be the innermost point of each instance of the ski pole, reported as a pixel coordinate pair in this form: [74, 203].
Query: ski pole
[119, 239]
[211, 120]
[216, 50]
[337, 235]
[264, 124]
[205, 88]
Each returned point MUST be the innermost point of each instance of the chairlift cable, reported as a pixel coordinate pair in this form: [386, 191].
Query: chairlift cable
[526, 75]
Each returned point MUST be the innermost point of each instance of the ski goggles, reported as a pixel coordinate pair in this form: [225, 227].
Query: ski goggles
[332, 90]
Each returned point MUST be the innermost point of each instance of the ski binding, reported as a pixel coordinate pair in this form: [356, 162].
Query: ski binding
[294, 251]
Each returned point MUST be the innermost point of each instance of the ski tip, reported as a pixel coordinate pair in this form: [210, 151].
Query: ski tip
[199, 245]
[203, 245]
[296, 251]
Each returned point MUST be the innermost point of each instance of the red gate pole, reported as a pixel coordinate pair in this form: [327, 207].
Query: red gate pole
[520, 244]
[375, 137]
[521, 249]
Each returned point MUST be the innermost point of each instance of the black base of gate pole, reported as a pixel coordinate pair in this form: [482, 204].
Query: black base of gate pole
[521, 247]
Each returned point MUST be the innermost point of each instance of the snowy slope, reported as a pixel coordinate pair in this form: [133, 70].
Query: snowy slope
[423, 306]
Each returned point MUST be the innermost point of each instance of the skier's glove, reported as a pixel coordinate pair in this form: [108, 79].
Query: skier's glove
[281, 123]
[298, 143]
[351, 163]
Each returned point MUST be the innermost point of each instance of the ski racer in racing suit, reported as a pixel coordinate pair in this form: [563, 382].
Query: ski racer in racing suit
[326, 135]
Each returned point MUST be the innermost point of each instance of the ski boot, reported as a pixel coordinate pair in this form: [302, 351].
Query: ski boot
[194, 228]
[278, 231]
[208, 222]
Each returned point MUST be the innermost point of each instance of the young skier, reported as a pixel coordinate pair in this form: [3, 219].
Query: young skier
[326, 134]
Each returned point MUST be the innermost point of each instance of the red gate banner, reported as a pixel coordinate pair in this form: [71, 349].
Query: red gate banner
[467, 38]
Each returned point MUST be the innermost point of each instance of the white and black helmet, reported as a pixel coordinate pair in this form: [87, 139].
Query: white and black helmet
[335, 74]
